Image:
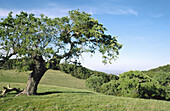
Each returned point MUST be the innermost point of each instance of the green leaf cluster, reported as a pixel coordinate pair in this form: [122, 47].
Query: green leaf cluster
[26, 35]
[94, 82]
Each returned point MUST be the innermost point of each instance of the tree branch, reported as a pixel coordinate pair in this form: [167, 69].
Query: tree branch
[8, 89]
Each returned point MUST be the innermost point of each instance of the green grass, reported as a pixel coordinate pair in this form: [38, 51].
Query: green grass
[67, 95]
[62, 79]
[51, 77]
[12, 76]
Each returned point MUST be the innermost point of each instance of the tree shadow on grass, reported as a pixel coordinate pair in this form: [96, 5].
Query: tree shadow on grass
[54, 92]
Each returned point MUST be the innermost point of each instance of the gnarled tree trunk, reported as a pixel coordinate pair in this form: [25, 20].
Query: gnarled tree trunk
[35, 77]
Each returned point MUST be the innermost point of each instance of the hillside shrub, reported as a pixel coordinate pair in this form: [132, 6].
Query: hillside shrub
[94, 82]
[110, 88]
[135, 84]
[76, 71]
[163, 78]
[106, 77]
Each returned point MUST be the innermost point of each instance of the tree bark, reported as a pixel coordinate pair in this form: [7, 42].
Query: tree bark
[35, 77]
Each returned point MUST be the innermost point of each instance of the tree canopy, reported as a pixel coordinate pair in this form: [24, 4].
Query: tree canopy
[66, 37]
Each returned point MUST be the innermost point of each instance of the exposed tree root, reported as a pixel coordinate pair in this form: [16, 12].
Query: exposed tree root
[22, 93]
[9, 89]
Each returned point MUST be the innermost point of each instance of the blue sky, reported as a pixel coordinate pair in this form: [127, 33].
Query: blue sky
[142, 26]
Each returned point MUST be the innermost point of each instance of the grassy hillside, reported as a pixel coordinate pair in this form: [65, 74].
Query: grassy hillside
[51, 77]
[69, 94]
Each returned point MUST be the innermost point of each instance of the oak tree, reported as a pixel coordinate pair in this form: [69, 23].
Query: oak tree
[46, 41]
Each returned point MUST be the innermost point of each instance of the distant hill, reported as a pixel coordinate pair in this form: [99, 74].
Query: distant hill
[165, 68]
[153, 72]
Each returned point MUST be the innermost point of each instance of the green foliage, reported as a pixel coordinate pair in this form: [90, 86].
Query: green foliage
[76, 71]
[110, 88]
[106, 77]
[162, 75]
[25, 35]
[11, 64]
[165, 68]
[135, 84]
[22, 64]
[163, 78]
[153, 72]
[94, 82]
